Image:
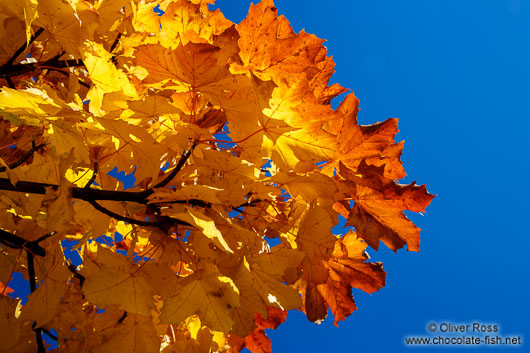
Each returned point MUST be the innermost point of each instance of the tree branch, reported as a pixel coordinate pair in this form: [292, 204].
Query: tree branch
[88, 194]
[94, 175]
[33, 287]
[44, 237]
[72, 268]
[23, 47]
[93, 195]
[19, 69]
[24, 158]
[77, 193]
[183, 158]
[114, 215]
[14, 241]
[109, 213]
[49, 334]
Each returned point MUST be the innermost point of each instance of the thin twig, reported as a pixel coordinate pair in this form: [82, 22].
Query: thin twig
[33, 287]
[24, 158]
[249, 203]
[72, 268]
[193, 202]
[113, 46]
[77, 193]
[122, 317]
[49, 334]
[67, 74]
[115, 43]
[23, 47]
[94, 175]
[14, 241]
[157, 224]
[10, 83]
[109, 213]
[44, 237]
[183, 158]
[19, 69]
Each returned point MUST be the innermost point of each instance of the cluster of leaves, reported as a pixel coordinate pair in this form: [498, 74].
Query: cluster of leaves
[232, 140]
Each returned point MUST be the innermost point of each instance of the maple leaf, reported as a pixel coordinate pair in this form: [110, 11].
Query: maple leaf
[228, 137]
[206, 294]
[113, 280]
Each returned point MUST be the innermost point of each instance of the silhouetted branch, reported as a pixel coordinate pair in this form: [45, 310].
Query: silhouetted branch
[115, 43]
[24, 158]
[94, 175]
[93, 195]
[183, 158]
[193, 202]
[14, 241]
[109, 213]
[122, 317]
[114, 215]
[23, 47]
[77, 193]
[33, 287]
[53, 64]
[72, 268]
[44, 237]
[113, 46]
[10, 83]
[248, 203]
[49, 334]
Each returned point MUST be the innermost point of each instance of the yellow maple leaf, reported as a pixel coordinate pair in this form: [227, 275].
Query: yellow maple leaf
[206, 294]
[115, 281]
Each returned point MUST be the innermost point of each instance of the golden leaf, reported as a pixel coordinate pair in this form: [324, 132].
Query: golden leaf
[206, 294]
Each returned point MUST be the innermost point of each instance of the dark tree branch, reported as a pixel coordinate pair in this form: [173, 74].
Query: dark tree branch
[84, 84]
[54, 64]
[44, 237]
[115, 43]
[114, 215]
[77, 193]
[122, 317]
[31, 272]
[193, 202]
[113, 46]
[183, 158]
[49, 334]
[14, 241]
[33, 287]
[10, 83]
[88, 194]
[248, 203]
[94, 175]
[24, 158]
[109, 213]
[72, 268]
[93, 195]
[23, 47]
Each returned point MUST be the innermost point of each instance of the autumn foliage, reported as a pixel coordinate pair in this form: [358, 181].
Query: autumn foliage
[232, 140]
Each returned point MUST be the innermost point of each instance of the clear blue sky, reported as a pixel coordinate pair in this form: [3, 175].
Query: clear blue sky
[457, 75]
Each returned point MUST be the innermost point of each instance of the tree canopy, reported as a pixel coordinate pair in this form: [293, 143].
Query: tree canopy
[229, 132]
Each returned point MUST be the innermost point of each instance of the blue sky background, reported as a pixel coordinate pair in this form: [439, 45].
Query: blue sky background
[457, 74]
